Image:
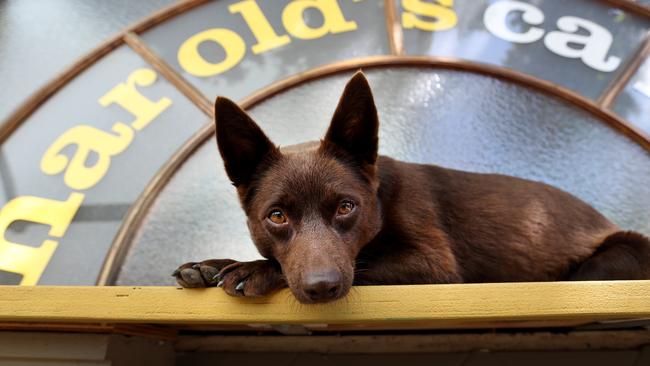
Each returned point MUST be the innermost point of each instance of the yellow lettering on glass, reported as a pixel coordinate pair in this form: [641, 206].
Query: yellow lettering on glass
[443, 16]
[88, 139]
[192, 62]
[266, 37]
[333, 19]
[28, 261]
[127, 96]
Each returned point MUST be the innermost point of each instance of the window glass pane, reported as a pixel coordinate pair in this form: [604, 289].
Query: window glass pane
[427, 116]
[60, 31]
[534, 37]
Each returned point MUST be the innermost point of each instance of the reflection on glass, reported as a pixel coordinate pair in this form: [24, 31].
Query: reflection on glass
[633, 103]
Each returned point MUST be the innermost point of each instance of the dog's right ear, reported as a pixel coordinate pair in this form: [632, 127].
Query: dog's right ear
[242, 144]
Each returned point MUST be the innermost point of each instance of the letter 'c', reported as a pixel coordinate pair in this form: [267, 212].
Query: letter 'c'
[495, 21]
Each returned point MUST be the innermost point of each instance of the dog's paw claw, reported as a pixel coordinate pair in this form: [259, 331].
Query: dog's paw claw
[176, 273]
[240, 286]
[220, 284]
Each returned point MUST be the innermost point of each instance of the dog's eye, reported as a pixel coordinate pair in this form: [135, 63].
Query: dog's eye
[345, 208]
[277, 217]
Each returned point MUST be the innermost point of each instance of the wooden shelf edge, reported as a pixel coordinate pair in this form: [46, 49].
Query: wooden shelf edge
[446, 305]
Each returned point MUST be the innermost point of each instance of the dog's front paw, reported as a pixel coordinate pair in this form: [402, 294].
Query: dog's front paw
[253, 279]
[200, 274]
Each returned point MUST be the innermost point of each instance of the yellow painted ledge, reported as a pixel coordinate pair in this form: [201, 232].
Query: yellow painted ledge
[426, 304]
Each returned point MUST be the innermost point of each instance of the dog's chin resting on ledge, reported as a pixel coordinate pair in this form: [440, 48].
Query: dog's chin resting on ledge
[333, 214]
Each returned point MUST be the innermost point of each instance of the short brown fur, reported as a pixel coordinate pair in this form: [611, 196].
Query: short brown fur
[332, 214]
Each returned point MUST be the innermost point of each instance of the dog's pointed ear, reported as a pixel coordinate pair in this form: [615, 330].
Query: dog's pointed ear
[242, 144]
[354, 127]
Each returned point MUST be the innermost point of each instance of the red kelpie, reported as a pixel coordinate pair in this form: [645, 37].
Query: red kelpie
[332, 214]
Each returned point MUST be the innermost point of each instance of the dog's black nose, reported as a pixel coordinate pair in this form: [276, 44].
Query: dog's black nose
[322, 286]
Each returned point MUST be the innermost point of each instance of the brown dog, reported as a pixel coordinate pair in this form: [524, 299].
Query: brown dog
[332, 214]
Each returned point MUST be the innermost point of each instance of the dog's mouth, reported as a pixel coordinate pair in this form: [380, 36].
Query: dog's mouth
[307, 298]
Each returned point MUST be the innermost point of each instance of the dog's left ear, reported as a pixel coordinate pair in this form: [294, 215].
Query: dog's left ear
[354, 127]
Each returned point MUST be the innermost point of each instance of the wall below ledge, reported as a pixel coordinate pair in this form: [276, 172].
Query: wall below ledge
[550, 323]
